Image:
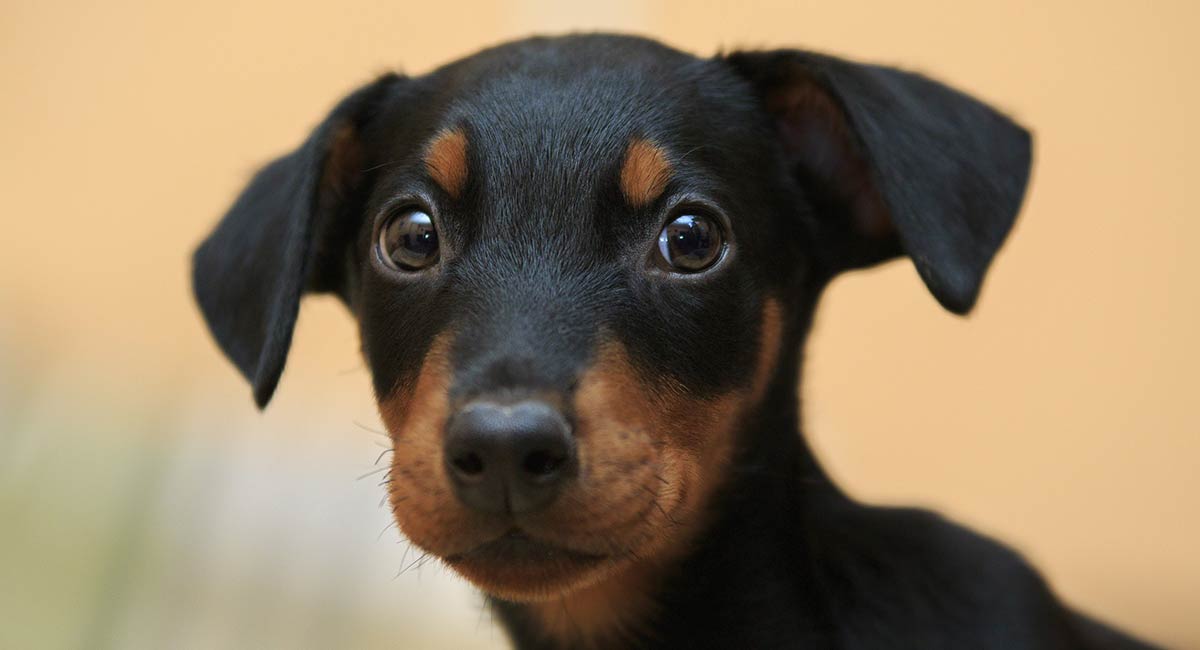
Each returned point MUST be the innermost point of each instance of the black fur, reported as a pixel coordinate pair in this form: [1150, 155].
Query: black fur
[541, 254]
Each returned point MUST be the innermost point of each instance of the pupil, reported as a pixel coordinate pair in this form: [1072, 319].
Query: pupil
[420, 242]
[690, 242]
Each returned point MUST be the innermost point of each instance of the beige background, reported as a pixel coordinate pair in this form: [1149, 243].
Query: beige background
[146, 501]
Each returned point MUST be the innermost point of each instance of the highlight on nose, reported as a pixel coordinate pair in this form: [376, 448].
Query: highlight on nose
[509, 458]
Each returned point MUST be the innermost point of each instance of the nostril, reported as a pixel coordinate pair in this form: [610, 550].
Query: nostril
[541, 463]
[468, 464]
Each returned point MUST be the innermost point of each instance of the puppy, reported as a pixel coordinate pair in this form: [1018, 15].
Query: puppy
[582, 270]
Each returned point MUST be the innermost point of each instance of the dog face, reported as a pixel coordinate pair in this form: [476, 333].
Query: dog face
[575, 263]
[585, 286]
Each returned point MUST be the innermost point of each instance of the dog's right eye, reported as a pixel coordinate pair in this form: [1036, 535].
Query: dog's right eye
[409, 240]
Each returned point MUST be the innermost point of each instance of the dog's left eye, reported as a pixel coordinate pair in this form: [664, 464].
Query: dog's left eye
[691, 243]
[409, 240]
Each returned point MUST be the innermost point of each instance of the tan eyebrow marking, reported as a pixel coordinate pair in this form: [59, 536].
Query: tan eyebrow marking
[645, 172]
[446, 160]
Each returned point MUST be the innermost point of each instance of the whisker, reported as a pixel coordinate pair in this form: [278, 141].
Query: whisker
[371, 429]
[384, 453]
[403, 558]
[479, 621]
[391, 524]
[381, 166]
[415, 562]
[374, 472]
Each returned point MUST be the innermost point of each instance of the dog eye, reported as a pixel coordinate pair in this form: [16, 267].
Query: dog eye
[408, 240]
[691, 243]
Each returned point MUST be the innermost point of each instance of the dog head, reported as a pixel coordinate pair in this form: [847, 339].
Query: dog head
[576, 262]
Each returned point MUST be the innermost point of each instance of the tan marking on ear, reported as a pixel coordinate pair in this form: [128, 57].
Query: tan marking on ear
[770, 341]
[805, 105]
[644, 173]
[344, 162]
[691, 442]
[446, 161]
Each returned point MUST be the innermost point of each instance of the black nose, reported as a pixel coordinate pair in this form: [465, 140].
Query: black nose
[509, 458]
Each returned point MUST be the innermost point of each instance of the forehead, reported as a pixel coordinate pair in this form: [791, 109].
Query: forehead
[549, 121]
[563, 106]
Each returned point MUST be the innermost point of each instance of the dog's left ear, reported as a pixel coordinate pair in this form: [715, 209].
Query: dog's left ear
[280, 240]
[895, 163]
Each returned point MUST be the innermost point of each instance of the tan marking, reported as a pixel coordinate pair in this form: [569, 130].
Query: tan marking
[446, 161]
[691, 442]
[808, 108]
[422, 500]
[769, 346]
[602, 615]
[343, 164]
[644, 173]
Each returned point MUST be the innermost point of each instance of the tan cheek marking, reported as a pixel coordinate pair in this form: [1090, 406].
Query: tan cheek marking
[625, 421]
[419, 412]
[415, 417]
[446, 161]
[645, 172]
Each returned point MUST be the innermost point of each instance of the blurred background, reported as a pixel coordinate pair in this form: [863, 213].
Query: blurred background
[144, 503]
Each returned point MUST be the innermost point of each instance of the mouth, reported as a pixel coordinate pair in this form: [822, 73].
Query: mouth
[515, 547]
[519, 567]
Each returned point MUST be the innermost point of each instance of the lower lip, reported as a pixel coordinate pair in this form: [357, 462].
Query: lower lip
[516, 548]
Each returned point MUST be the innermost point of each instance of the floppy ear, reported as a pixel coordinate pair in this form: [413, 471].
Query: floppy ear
[895, 163]
[269, 248]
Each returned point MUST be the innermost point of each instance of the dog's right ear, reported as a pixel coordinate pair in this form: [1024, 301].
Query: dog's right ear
[250, 273]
